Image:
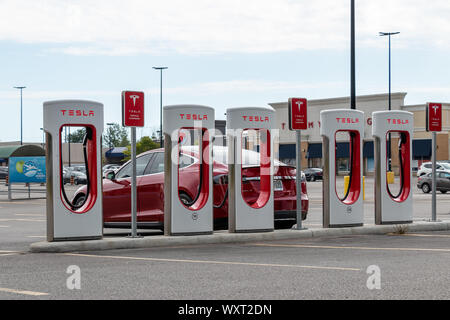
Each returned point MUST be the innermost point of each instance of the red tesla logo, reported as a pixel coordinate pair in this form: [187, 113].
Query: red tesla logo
[194, 116]
[255, 118]
[78, 113]
[397, 121]
[347, 120]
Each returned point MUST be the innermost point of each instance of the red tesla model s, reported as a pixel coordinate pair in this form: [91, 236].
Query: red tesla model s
[150, 189]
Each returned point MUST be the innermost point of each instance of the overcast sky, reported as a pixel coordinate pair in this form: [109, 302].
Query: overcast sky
[219, 53]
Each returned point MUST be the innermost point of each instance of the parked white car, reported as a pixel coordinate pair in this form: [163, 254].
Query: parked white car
[427, 167]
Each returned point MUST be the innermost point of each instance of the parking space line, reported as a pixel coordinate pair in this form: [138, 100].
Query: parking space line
[26, 220]
[23, 292]
[36, 237]
[350, 248]
[30, 214]
[4, 226]
[213, 262]
[21, 202]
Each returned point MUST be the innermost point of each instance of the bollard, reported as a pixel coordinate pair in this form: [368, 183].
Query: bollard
[72, 180]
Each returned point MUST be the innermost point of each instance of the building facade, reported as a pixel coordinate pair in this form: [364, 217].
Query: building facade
[312, 141]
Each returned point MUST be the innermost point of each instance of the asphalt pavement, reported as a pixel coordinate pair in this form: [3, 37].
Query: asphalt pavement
[411, 266]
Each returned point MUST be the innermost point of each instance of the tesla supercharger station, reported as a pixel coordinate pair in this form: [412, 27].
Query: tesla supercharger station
[258, 215]
[348, 210]
[393, 208]
[196, 215]
[83, 219]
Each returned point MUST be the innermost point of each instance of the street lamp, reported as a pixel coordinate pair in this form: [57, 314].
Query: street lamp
[21, 114]
[160, 107]
[389, 34]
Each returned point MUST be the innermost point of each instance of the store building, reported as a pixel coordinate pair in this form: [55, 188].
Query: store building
[312, 141]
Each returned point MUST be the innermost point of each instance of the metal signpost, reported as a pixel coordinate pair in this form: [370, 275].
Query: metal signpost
[133, 116]
[297, 122]
[434, 124]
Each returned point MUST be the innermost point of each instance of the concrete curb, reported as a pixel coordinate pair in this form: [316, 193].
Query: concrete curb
[219, 237]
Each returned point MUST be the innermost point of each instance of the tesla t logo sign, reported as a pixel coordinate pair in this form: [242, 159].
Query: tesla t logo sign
[434, 117]
[132, 109]
[298, 119]
[134, 97]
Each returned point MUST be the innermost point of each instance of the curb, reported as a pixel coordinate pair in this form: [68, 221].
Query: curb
[219, 237]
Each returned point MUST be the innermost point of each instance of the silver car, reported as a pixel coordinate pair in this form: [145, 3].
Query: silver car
[442, 182]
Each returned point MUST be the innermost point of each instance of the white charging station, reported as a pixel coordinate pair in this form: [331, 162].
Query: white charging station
[347, 211]
[258, 215]
[393, 208]
[67, 220]
[195, 217]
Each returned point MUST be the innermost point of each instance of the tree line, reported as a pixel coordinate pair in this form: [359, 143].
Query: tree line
[117, 136]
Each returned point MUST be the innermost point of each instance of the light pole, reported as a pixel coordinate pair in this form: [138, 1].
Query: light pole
[352, 57]
[68, 128]
[389, 34]
[43, 139]
[160, 107]
[21, 114]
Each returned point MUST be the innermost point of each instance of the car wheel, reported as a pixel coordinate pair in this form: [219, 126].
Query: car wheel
[313, 178]
[443, 191]
[76, 182]
[426, 188]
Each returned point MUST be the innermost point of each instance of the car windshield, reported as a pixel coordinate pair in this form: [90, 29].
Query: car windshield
[446, 166]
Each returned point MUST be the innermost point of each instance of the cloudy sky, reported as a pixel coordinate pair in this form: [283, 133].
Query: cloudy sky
[219, 53]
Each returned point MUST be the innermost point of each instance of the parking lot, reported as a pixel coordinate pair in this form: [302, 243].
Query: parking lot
[412, 266]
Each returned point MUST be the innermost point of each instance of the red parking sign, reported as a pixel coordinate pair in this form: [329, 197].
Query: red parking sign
[132, 109]
[298, 119]
[434, 117]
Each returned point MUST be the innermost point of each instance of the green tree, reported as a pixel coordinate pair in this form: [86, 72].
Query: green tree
[115, 136]
[144, 144]
[77, 136]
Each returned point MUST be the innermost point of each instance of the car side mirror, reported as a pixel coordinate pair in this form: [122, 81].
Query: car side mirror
[110, 175]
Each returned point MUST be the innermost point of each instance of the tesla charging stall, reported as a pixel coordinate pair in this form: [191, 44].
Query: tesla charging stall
[393, 207]
[74, 219]
[256, 213]
[185, 213]
[346, 211]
